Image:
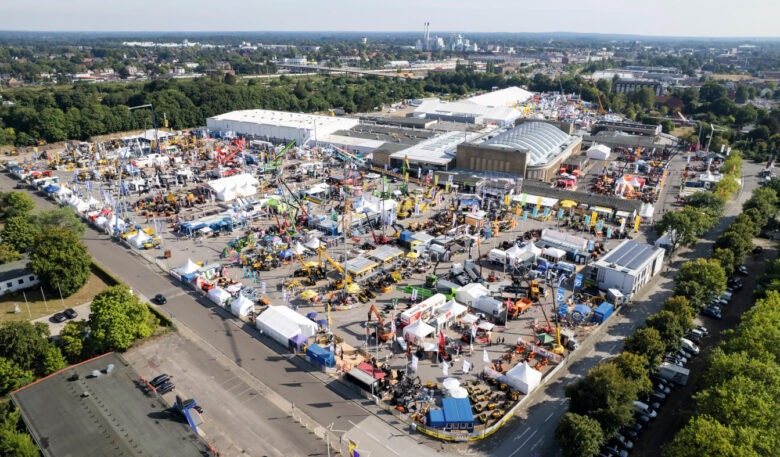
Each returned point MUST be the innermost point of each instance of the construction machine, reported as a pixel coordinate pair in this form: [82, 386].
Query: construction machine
[381, 239]
[314, 272]
[335, 264]
[385, 332]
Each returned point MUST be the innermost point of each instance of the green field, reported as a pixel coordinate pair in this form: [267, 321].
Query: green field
[52, 304]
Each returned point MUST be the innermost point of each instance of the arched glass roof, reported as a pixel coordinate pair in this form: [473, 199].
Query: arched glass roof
[541, 139]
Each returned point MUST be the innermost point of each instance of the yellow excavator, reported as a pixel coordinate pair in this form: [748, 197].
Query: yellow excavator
[339, 284]
[313, 271]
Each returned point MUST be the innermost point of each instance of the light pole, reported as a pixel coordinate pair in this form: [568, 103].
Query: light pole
[61, 299]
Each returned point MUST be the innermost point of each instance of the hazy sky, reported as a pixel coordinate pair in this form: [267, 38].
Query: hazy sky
[713, 18]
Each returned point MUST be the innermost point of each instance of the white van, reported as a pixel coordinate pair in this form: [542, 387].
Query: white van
[645, 409]
[689, 346]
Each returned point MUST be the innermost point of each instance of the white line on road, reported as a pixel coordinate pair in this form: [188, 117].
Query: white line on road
[520, 436]
[550, 416]
[374, 438]
[537, 443]
[524, 442]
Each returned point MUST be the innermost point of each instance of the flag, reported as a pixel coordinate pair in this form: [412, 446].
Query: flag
[442, 340]
[538, 203]
[466, 366]
[445, 368]
[593, 218]
[560, 213]
[415, 361]
[536, 211]
[353, 449]
[485, 356]
[637, 221]
[473, 332]
[587, 220]
[392, 324]
[546, 211]
[525, 216]
[523, 197]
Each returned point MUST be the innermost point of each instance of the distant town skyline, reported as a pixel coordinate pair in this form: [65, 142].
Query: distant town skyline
[694, 18]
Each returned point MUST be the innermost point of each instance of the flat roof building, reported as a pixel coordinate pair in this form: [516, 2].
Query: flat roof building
[15, 276]
[628, 267]
[278, 126]
[467, 112]
[507, 97]
[75, 412]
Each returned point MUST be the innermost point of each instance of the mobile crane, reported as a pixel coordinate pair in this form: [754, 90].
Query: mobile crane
[344, 274]
[313, 272]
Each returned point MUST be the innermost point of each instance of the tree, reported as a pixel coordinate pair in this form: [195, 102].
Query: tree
[706, 201]
[62, 217]
[17, 204]
[12, 376]
[60, 260]
[634, 367]
[19, 233]
[24, 343]
[579, 436]
[700, 281]
[17, 444]
[711, 92]
[684, 227]
[726, 259]
[72, 340]
[668, 327]
[118, 318]
[605, 395]
[8, 254]
[739, 242]
[702, 436]
[680, 307]
[647, 342]
[53, 360]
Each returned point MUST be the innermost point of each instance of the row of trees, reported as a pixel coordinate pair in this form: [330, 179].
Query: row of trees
[601, 402]
[50, 239]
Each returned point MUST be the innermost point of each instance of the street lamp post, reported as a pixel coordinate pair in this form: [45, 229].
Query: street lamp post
[61, 299]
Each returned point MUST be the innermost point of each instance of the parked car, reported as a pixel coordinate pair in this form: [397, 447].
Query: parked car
[742, 269]
[644, 408]
[70, 313]
[657, 397]
[157, 380]
[615, 451]
[735, 283]
[712, 312]
[630, 433]
[689, 346]
[624, 442]
[702, 329]
[160, 299]
[643, 419]
[636, 426]
[20, 185]
[758, 250]
[59, 318]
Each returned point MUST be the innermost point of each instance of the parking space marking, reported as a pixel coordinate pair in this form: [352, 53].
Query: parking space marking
[524, 443]
[549, 417]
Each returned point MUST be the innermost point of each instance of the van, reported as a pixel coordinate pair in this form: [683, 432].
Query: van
[689, 346]
[645, 409]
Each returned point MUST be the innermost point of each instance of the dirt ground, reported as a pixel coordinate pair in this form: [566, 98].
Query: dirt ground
[52, 304]
[674, 414]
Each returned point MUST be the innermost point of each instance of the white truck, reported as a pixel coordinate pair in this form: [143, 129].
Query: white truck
[676, 374]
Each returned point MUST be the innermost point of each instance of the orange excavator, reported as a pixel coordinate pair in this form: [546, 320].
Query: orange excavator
[386, 333]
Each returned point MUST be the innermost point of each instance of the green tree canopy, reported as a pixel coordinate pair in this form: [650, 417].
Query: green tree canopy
[701, 280]
[8, 254]
[634, 367]
[19, 233]
[61, 217]
[579, 436]
[703, 436]
[668, 326]
[647, 342]
[72, 340]
[24, 344]
[680, 307]
[726, 259]
[706, 201]
[60, 260]
[12, 376]
[17, 204]
[605, 395]
[118, 318]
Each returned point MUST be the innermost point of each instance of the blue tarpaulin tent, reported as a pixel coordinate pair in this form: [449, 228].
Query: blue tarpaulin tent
[436, 418]
[457, 414]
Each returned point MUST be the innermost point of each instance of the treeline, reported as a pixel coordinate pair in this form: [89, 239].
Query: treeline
[601, 402]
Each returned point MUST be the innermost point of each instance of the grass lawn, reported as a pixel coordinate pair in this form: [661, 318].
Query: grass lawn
[38, 309]
[681, 132]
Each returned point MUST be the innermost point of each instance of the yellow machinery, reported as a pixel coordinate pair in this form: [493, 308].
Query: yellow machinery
[313, 272]
[335, 264]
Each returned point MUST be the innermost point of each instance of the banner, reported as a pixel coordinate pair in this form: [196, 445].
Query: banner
[599, 225]
[536, 211]
[587, 221]
[414, 294]
[436, 180]
[523, 197]
[609, 232]
[485, 356]
[577, 281]
[445, 369]
[637, 221]
[591, 246]
[538, 203]
[593, 218]
[560, 213]
[546, 211]
[622, 224]
[525, 216]
[415, 361]
[560, 295]
[466, 366]
[506, 200]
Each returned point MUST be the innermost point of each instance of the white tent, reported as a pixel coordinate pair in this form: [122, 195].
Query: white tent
[115, 222]
[92, 202]
[532, 248]
[449, 312]
[554, 253]
[187, 268]
[281, 323]
[227, 189]
[78, 204]
[469, 293]
[313, 244]
[219, 296]
[298, 248]
[100, 221]
[523, 378]
[242, 306]
[417, 332]
[598, 152]
[138, 239]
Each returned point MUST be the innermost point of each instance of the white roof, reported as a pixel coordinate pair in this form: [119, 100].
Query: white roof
[418, 330]
[523, 378]
[554, 252]
[285, 119]
[437, 150]
[284, 316]
[533, 199]
[502, 98]
[341, 141]
[188, 267]
[501, 114]
[241, 306]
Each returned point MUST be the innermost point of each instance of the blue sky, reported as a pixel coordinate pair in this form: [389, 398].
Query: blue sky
[643, 17]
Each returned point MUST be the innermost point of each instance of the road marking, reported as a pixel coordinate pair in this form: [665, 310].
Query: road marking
[374, 438]
[549, 417]
[564, 400]
[524, 442]
[520, 436]
[537, 443]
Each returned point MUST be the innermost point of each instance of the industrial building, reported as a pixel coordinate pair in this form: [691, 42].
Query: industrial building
[498, 107]
[436, 153]
[278, 126]
[532, 150]
[615, 139]
[628, 267]
[626, 86]
[633, 128]
[101, 407]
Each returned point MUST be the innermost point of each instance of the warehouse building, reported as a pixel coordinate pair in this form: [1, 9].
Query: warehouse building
[510, 96]
[628, 267]
[436, 153]
[532, 150]
[278, 126]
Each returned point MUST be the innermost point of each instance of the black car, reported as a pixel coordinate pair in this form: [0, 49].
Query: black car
[643, 419]
[160, 299]
[159, 379]
[166, 387]
[20, 185]
[657, 396]
[70, 313]
[758, 250]
[59, 318]
[630, 433]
